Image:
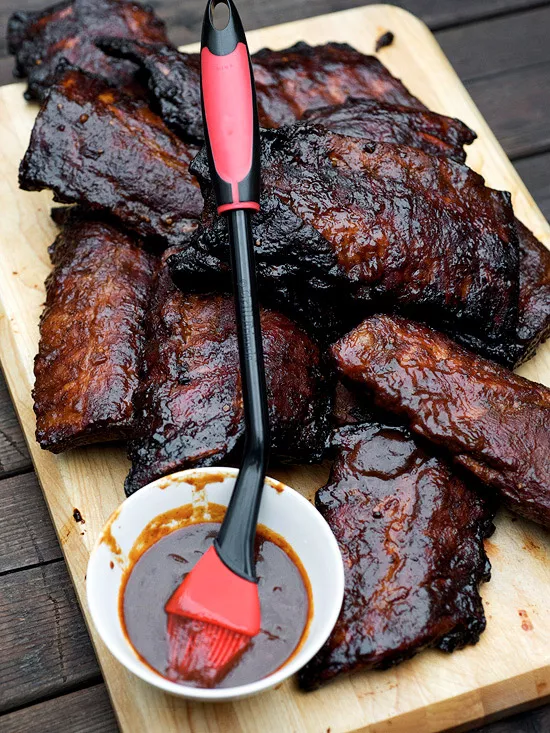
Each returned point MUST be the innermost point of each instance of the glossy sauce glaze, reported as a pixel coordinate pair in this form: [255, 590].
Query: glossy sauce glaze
[492, 422]
[153, 576]
[195, 334]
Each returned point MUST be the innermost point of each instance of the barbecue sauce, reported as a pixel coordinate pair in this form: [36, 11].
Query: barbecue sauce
[164, 555]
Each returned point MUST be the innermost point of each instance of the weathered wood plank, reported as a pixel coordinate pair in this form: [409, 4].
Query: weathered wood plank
[505, 64]
[535, 172]
[14, 457]
[6, 67]
[535, 721]
[84, 711]
[499, 45]
[27, 536]
[515, 105]
[184, 19]
[437, 14]
[44, 642]
[442, 13]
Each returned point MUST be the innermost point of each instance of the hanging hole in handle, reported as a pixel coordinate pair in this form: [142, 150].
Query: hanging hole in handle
[219, 14]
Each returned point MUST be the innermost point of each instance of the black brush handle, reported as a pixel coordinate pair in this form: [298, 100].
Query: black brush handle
[232, 140]
[235, 542]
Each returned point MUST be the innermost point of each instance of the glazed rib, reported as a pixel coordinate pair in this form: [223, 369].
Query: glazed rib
[533, 326]
[94, 145]
[352, 226]
[91, 336]
[439, 135]
[390, 123]
[493, 422]
[351, 404]
[40, 40]
[534, 293]
[288, 82]
[411, 536]
[304, 77]
[173, 81]
[190, 404]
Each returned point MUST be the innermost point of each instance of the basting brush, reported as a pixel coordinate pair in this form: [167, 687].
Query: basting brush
[214, 614]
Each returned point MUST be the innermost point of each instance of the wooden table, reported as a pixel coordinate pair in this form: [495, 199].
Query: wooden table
[49, 677]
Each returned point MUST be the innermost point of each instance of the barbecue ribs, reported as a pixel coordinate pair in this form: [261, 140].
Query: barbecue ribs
[91, 335]
[39, 40]
[411, 536]
[534, 306]
[288, 82]
[348, 226]
[534, 293]
[94, 145]
[438, 135]
[493, 422]
[173, 80]
[390, 123]
[190, 404]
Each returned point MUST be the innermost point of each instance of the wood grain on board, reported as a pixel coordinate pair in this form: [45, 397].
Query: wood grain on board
[510, 666]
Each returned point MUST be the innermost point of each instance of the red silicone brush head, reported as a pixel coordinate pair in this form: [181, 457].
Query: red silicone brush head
[201, 653]
[212, 617]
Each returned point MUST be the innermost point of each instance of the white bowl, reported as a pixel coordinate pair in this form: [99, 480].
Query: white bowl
[283, 510]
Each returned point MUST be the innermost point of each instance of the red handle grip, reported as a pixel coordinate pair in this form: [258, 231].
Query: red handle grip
[227, 99]
[229, 113]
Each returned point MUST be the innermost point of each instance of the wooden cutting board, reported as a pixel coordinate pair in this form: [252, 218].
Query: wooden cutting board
[510, 665]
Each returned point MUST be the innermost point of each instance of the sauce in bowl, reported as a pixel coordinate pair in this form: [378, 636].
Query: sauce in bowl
[165, 553]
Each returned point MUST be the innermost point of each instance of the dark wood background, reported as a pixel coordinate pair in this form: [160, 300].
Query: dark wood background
[49, 676]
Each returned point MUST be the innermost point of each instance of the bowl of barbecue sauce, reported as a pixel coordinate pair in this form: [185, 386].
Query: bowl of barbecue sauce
[155, 538]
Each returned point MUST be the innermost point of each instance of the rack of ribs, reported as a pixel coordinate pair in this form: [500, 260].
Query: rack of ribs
[173, 81]
[534, 293]
[289, 83]
[533, 308]
[433, 133]
[444, 136]
[492, 422]
[411, 537]
[91, 335]
[67, 30]
[189, 404]
[352, 226]
[92, 144]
